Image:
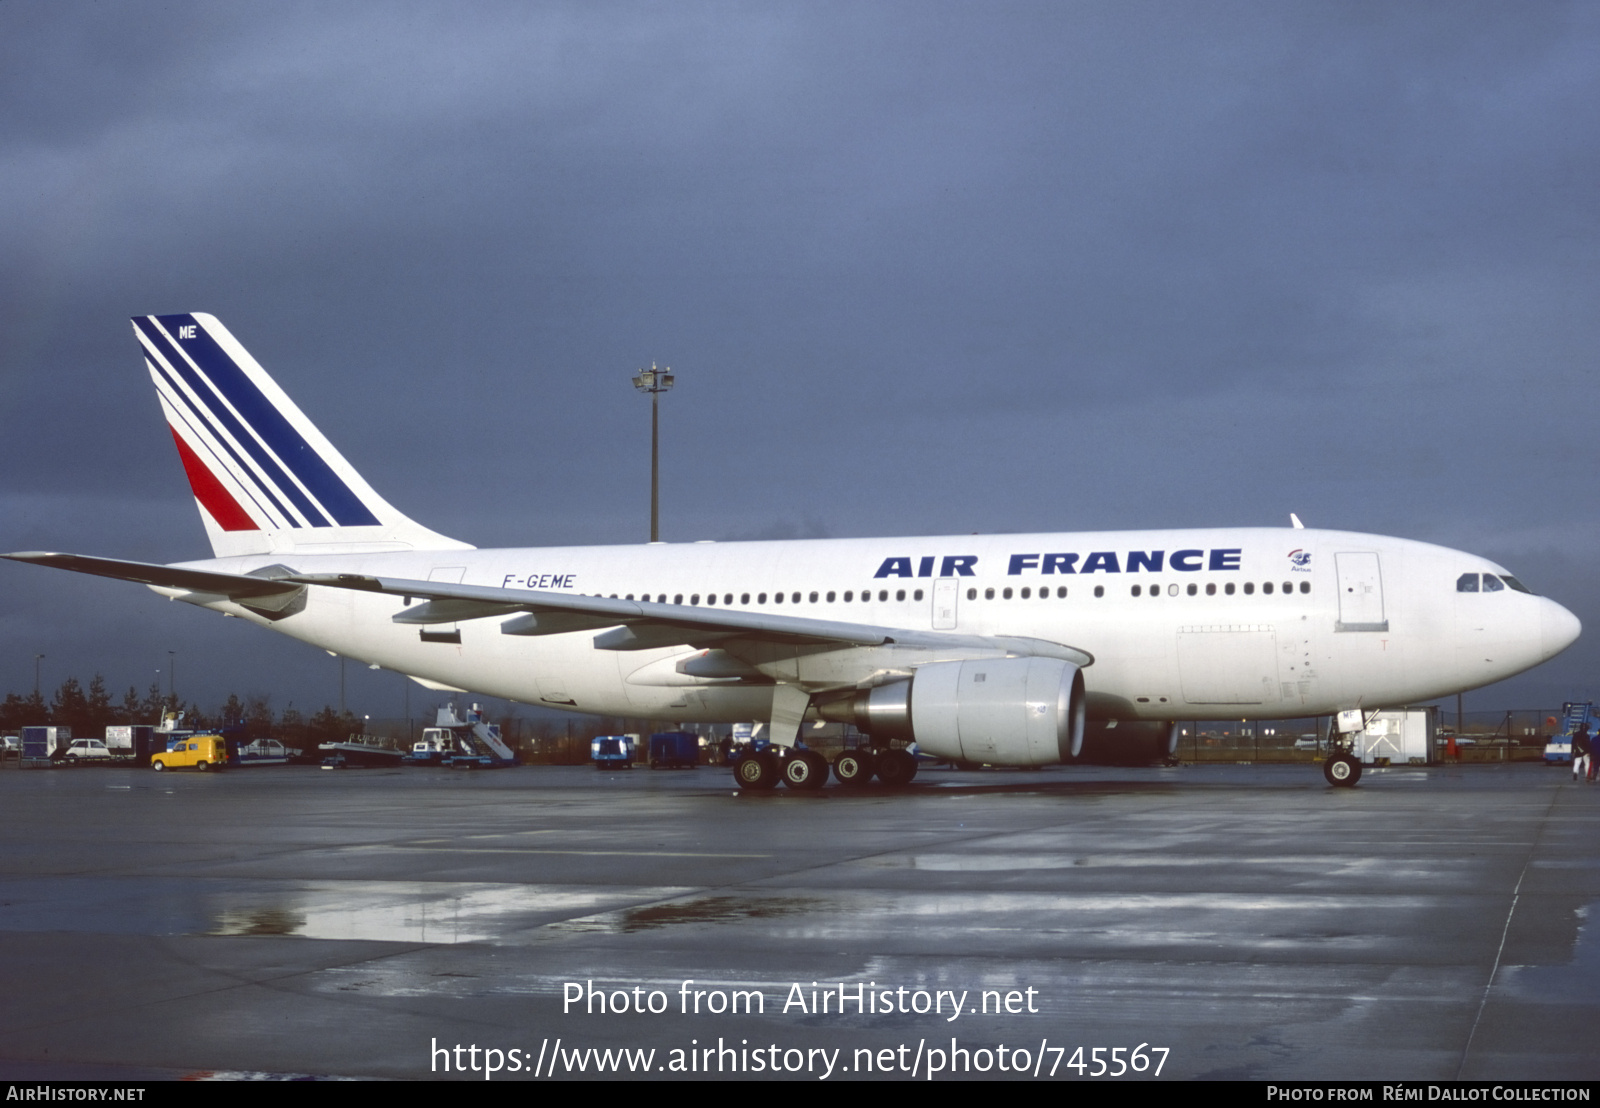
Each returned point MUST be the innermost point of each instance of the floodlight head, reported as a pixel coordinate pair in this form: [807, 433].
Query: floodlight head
[653, 379]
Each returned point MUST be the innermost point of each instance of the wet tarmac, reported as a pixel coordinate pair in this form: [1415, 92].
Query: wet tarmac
[1238, 922]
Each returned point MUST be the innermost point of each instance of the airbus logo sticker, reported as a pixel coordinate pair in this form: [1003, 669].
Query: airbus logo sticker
[1300, 561]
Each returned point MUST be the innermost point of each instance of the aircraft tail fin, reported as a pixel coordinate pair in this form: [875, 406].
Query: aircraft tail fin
[264, 477]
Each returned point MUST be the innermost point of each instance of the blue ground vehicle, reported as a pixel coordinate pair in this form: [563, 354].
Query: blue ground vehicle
[674, 750]
[611, 752]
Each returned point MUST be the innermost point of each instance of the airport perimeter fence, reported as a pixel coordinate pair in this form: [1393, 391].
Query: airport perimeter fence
[1513, 735]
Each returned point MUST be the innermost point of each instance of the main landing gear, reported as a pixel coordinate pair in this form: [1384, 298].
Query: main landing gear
[806, 770]
[762, 770]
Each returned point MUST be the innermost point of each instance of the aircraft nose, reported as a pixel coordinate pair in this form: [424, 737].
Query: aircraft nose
[1558, 628]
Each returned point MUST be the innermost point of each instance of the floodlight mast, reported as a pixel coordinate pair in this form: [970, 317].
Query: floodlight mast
[655, 382]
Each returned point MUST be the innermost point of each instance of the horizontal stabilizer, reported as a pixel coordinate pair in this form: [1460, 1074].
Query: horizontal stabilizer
[234, 586]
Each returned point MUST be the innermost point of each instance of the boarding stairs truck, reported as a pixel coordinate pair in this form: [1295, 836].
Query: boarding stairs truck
[470, 743]
[1574, 714]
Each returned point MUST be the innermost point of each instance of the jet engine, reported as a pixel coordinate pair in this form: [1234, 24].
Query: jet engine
[1004, 711]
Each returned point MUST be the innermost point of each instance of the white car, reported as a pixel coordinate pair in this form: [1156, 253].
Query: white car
[86, 750]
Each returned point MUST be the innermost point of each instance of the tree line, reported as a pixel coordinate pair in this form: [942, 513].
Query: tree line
[89, 711]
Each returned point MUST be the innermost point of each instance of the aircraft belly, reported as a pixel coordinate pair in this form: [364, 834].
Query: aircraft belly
[1229, 664]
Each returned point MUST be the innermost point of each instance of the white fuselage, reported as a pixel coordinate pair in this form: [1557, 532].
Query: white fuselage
[1201, 624]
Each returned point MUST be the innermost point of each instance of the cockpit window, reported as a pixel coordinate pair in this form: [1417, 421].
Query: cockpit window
[1467, 582]
[1491, 583]
[1512, 582]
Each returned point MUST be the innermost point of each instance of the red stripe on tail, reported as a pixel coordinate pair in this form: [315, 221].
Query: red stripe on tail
[209, 491]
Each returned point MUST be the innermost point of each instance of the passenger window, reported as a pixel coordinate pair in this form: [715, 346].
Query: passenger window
[849, 595]
[900, 595]
[796, 597]
[1211, 590]
[830, 598]
[1249, 588]
[1228, 588]
[1006, 595]
[1099, 590]
[677, 598]
[1136, 590]
[761, 598]
[917, 595]
[777, 598]
[1193, 589]
[744, 598]
[1467, 582]
[1061, 592]
[972, 594]
[883, 594]
[727, 598]
[813, 598]
[988, 594]
[1026, 592]
[1172, 590]
[1305, 586]
[1491, 583]
[1266, 588]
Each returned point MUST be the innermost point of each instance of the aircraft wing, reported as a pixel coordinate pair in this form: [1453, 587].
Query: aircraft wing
[643, 625]
[624, 624]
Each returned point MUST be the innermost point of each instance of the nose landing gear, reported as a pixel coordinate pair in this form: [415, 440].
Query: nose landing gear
[1342, 769]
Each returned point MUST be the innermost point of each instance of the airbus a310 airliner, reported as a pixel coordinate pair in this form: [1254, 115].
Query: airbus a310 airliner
[999, 650]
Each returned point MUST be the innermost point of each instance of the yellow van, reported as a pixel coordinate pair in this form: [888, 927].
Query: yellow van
[200, 751]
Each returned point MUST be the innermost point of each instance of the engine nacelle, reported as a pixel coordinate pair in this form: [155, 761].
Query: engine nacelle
[1004, 711]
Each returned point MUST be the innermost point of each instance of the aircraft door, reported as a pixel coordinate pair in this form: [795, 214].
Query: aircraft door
[1360, 592]
[946, 595]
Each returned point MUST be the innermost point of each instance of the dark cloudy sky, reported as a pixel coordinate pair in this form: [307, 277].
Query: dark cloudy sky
[921, 268]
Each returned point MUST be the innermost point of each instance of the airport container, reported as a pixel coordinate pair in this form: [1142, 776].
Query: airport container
[131, 738]
[674, 750]
[44, 742]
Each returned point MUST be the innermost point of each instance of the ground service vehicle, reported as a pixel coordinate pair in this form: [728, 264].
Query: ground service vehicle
[201, 752]
[611, 752]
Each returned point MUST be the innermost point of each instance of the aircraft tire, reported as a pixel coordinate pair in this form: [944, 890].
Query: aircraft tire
[756, 772]
[1342, 771]
[853, 768]
[896, 768]
[805, 771]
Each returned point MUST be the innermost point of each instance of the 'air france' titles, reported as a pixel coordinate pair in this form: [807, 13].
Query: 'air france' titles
[1046, 564]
